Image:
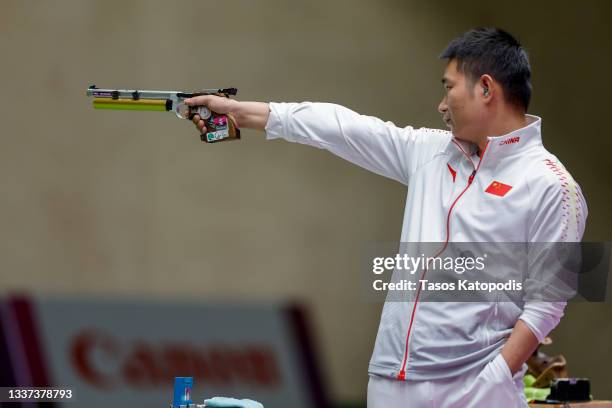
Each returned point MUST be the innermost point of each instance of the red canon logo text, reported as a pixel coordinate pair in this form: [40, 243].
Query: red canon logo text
[105, 362]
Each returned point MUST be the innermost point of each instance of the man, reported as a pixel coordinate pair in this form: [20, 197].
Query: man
[488, 179]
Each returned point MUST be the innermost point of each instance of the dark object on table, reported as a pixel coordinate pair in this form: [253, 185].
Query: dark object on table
[570, 389]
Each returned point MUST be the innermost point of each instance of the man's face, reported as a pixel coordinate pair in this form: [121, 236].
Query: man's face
[461, 108]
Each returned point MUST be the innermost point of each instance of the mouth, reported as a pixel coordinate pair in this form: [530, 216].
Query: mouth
[448, 122]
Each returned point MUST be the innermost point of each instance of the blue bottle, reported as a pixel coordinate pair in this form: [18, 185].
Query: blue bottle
[182, 391]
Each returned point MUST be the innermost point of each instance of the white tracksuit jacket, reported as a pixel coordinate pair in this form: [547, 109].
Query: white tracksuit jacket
[446, 185]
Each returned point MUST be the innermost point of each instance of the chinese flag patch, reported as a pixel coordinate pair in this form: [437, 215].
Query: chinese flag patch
[498, 189]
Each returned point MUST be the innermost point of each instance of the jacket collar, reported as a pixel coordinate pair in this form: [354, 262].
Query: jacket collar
[509, 144]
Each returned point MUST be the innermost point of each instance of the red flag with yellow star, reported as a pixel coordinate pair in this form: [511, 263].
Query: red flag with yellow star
[497, 188]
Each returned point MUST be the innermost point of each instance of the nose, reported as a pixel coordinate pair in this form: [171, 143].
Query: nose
[443, 107]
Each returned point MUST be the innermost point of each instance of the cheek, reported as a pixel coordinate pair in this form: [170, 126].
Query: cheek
[455, 104]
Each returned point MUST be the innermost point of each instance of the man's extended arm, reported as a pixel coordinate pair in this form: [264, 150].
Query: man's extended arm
[376, 145]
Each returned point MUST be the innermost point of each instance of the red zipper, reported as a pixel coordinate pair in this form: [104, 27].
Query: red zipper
[402, 373]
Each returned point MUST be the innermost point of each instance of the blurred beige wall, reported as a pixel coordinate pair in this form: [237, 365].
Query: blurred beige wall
[132, 204]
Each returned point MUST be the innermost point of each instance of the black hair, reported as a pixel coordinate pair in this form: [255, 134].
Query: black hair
[497, 53]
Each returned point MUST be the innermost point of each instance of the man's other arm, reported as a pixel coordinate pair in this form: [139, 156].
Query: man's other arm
[559, 217]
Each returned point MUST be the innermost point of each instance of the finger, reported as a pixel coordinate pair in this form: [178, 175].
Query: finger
[198, 100]
[201, 124]
[196, 118]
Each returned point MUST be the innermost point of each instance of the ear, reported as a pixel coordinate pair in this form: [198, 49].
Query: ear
[486, 87]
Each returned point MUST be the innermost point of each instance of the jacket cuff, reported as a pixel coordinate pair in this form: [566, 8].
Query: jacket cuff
[542, 317]
[275, 126]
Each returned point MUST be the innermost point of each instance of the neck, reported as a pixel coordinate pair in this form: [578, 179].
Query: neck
[501, 124]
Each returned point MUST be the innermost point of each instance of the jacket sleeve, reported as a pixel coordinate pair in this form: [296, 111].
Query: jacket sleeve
[556, 228]
[366, 141]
